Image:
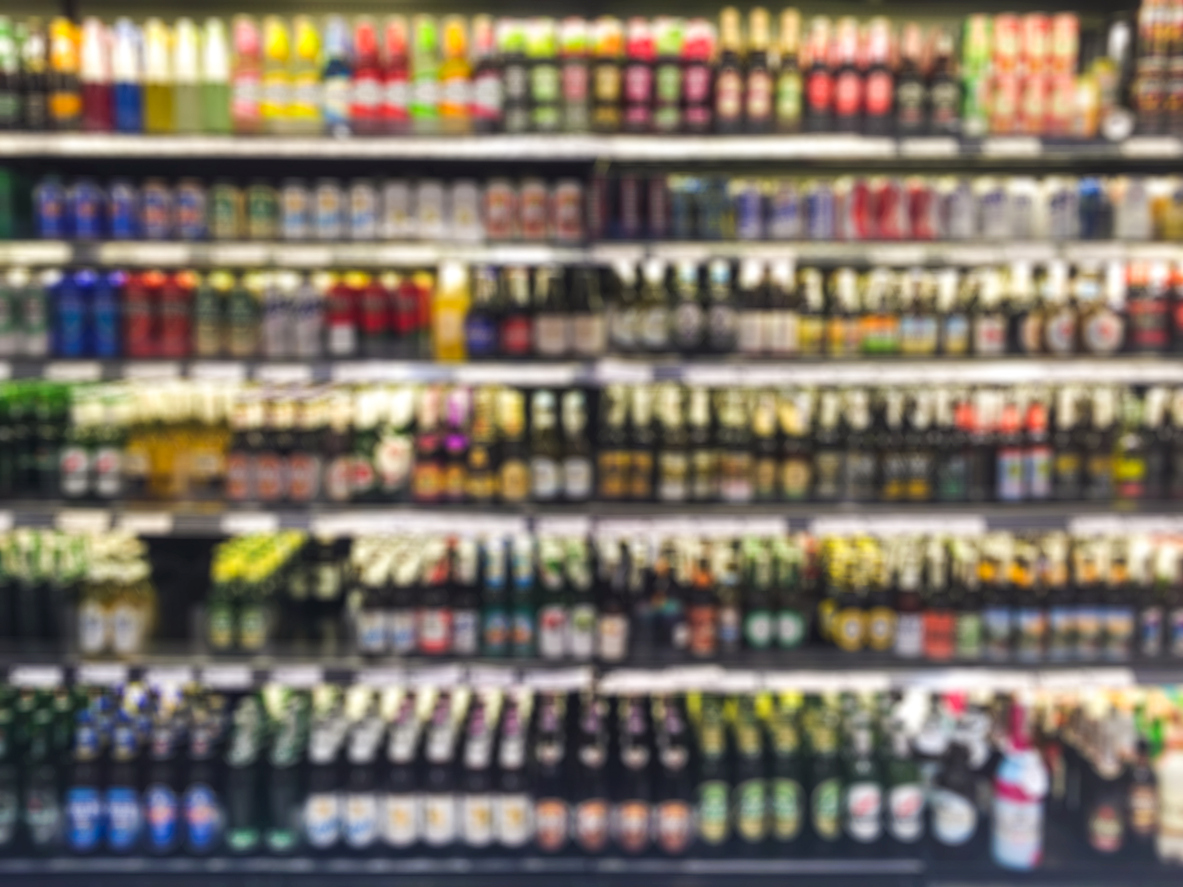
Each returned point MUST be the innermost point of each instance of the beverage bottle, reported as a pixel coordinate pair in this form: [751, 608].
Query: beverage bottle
[633, 795]
[276, 96]
[65, 95]
[1169, 843]
[158, 77]
[551, 811]
[523, 609]
[953, 806]
[819, 79]
[879, 88]
[544, 76]
[10, 77]
[215, 78]
[476, 779]
[98, 111]
[750, 795]
[827, 792]
[729, 77]
[464, 597]
[283, 818]
[673, 825]
[360, 819]
[1105, 813]
[201, 806]
[511, 43]
[488, 92]
[365, 103]
[396, 115]
[34, 76]
[438, 779]
[512, 805]
[83, 814]
[667, 75]
[607, 68]
[697, 76]
[303, 111]
[590, 818]
[1020, 787]
[712, 792]
[943, 100]
[575, 75]
[322, 808]
[41, 807]
[759, 110]
[787, 802]
[449, 307]
[425, 75]
[187, 112]
[127, 70]
[849, 87]
[552, 318]
[789, 95]
[336, 76]
[455, 79]
[401, 814]
[246, 74]
[1142, 802]
[121, 797]
[905, 794]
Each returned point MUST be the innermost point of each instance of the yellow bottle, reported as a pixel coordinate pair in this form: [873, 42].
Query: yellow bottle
[158, 77]
[455, 78]
[448, 309]
[277, 92]
[304, 110]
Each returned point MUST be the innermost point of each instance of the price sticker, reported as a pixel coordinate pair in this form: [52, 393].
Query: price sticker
[492, 676]
[152, 370]
[169, 676]
[381, 677]
[218, 371]
[36, 676]
[102, 674]
[242, 523]
[299, 677]
[436, 676]
[73, 371]
[559, 679]
[82, 520]
[228, 677]
[146, 523]
[284, 374]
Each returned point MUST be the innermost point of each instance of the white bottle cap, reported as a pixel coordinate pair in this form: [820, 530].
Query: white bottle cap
[185, 52]
[215, 57]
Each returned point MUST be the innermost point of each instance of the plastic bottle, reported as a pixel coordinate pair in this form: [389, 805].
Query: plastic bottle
[158, 77]
[127, 69]
[336, 79]
[1020, 787]
[276, 96]
[215, 78]
[425, 71]
[365, 103]
[245, 74]
[304, 109]
[65, 97]
[98, 113]
[455, 78]
[186, 77]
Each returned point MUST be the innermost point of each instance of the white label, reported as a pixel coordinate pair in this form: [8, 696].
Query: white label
[955, 818]
[73, 371]
[146, 523]
[83, 520]
[906, 812]
[244, 523]
[400, 820]
[297, 676]
[284, 374]
[35, 676]
[439, 819]
[513, 815]
[218, 371]
[477, 820]
[1018, 832]
[101, 675]
[152, 370]
[361, 820]
[227, 677]
[322, 820]
[169, 676]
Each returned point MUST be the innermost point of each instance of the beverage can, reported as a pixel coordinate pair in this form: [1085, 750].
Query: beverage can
[1021, 191]
[534, 213]
[889, 209]
[924, 210]
[156, 210]
[429, 209]
[49, 201]
[227, 212]
[958, 208]
[853, 211]
[748, 202]
[191, 210]
[992, 208]
[819, 210]
[466, 211]
[1062, 208]
[122, 210]
[568, 211]
[396, 209]
[86, 210]
[294, 203]
[363, 210]
[657, 206]
[262, 211]
[784, 216]
[500, 210]
[328, 217]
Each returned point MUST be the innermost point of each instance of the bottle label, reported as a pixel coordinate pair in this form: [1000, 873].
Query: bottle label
[1106, 829]
[864, 811]
[1150, 631]
[84, 817]
[550, 824]
[477, 820]
[906, 812]
[674, 826]
[371, 631]
[613, 637]
[515, 822]
[713, 820]
[400, 820]
[465, 632]
[758, 629]
[203, 820]
[552, 631]
[786, 809]
[161, 810]
[728, 95]
[955, 818]
[361, 820]
[632, 819]
[401, 631]
[123, 818]
[751, 808]
[544, 477]
[591, 825]
[1143, 810]
[826, 807]
[1018, 832]
[759, 97]
[909, 635]
[9, 804]
[439, 819]
[322, 820]
[435, 629]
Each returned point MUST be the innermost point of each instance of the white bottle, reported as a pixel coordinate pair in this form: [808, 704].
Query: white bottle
[1170, 798]
[1020, 788]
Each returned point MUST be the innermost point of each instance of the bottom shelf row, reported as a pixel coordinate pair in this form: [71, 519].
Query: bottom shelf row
[407, 780]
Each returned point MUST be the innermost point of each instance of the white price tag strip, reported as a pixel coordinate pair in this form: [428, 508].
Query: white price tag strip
[1012, 146]
[492, 676]
[240, 255]
[39, 676]
[303, 256]
[101, 674]
[563, 525]
[929, 147]
[228, 677]
[381, 677]
[297, 676]
[540, 375]
[559, 679]
[82, 520]
[5, 521]
[169, 676]
[249, 522]
[608, 372]
[730, 681]
[73, 371]
[688, 678]
[284, 374]
[152, 370]
[218, 371]
[436, 676]
[632, 681]
[146, 523]
[826, 681]
[1152, 146]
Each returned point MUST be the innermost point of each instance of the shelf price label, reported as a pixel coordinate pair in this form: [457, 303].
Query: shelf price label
[169, 676]
[82, 520]
[146, 523]
[36, 676]
[297, 676]
[102, 674]
[228, 677]
[243, 523]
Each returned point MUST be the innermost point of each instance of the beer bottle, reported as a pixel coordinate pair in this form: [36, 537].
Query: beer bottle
[750, 794]
[10, 77]
[121, 799]
[758, 620]
[244, 816]
[1142, 802]
[360, 820]
[826, 786]
[552, 316]
[788, 82]
[523, 606]
[162, 798]
[1156, 434]
[612, 629]
[438, 778]
[476, 778]
[632, 798]
[703, 613]
[641, 445]
[911, 112]
[513, 472]
[1099, 477]
[1129, 456]
[607, 74]
[697, 78]
[551, 812]
[545, 85]
[402, 812]
[488, 94]
[515, 333]
[582, 622]
[688, 316]
[638, 76]
[480, 473]
[943, 100]
[953, 805]
[546, 450]
[495, 619]
[465, 600]
[654, 310]
[905, 794]
[286, 809]
[554, 610]
[729, 76]
[849, 91]
[819, 79]
[667, 114]
[577, 477]
[434, 622]
[425, 75]
[35, 90]
[786, 794]
[879, 118]
[511, 44]
[672, 459]
[759, 110]
[588, 327]
[591, 819]
[721, 314]
[704, 458]
[752, 324]
[512, 805]
[573, 50]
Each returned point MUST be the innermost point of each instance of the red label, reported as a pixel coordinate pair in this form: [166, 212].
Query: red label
[848, 94]
[269, 476]
[638, 83]
[819, 90]
[696, 84]
[515, 336]
[879, 94]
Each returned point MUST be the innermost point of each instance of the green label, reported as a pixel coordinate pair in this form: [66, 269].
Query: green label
[544, 83]
[826, 804]
[788, 98]
[242, 839]
[969, 635]
[712, 812]
[758, 629]
[751, 810]
[221, 626]
[786, 809]
[790, 629]
[252, 628]
[669, 83]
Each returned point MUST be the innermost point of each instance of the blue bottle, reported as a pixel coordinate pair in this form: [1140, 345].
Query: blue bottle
[68, 298]
[49, 206]
[127, 68]
[121, 800]
[85, 823]
[104, 314]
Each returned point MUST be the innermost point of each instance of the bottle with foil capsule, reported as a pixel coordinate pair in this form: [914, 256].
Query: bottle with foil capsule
[819, 79]
[638, 76]
[65, 95]
[543, 67]
[879, 88]
[667, 89]
[487, 91]
[158, 77]
[729, 80]
[607, 74]
[365, 101]
[303, 116]
[848, 77]
[215, 77]
[758, 86]
[788, 79]
[455, 78]
[698, 60]
[98, 112]
[245, 77]
[336, 76]
[575, 77]
[187, 77]
[396, 84]
[34, 76]
[276, 95]
[425, 71]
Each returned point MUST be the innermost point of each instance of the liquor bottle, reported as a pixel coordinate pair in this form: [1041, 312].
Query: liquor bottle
[10, 77]
[1105, 813]
[729, 76]
[879, 87]
[94, 74]
[575, 76]
[759, 108]
[668, 88]
[511, 43]
[365, 98]
[698, 56]
[789, 86]
[159, 116]
[944, 100]
[911, 111]
[187, 113]
[65, 95]
[34, 59]
[512, 805]
[402, 812]
[607, 74]
[545, 78]
[849, 87]
[1142, 802]
[551, 811]
[425, 75]
[455, 79]
[488, 96]
[476, 778]
[215, 82]
[438, 778]
[1020, 786]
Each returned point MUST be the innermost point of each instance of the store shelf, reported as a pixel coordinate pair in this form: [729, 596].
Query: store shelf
[586, 148]
[722, 372]
[313, 255]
